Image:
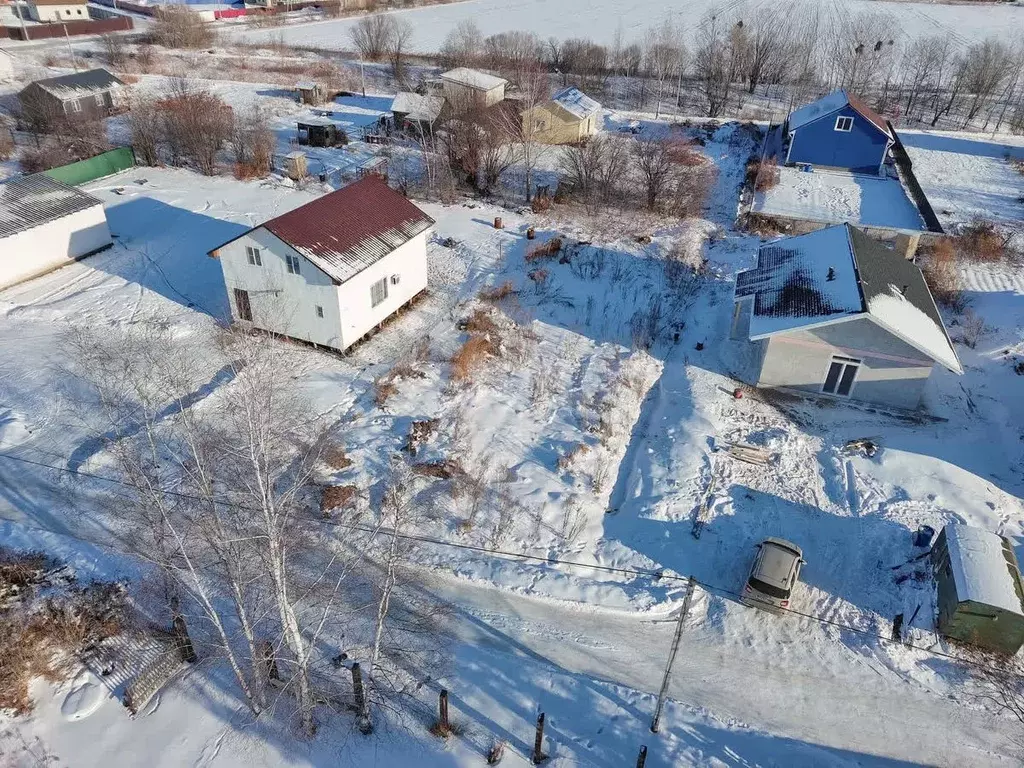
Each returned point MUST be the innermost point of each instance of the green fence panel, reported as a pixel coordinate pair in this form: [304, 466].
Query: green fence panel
[95, 167]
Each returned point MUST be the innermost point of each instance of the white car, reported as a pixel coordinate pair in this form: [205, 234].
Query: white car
[774, 574]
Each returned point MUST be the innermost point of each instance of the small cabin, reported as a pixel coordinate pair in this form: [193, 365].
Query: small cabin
[320, 132]
[838, 131]
[980, 595]
[310, 92]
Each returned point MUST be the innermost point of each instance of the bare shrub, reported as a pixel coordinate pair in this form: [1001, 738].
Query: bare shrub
[144, 56]
[498, 292]
[547, 250]
[338, 497]
[383, 389]
[972, 326]
[573, 518]
[480, 322]
[566, 460]
[178, 26]
[196, 125]
[145, 121]
[471, 356]
[981, 241]
[373, 36]
[254, 144]
[942, 272]
[114, 49]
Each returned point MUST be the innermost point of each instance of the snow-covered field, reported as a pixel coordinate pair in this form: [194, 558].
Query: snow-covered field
[600, 453]
[600, 19]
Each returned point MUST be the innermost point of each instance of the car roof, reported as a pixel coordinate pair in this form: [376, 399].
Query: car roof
[776, 562]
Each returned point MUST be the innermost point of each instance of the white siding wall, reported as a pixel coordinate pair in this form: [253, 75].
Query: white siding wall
[409, 262]
[282, 302]
[52, 245]
[462, 97]
[285, 303]
[70, 12]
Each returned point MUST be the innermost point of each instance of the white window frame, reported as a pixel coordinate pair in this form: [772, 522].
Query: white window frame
[378, 292]
[76, 105]
[254, 256]
[845, 362]
[292, 264]
[844, 120]
[99, 100]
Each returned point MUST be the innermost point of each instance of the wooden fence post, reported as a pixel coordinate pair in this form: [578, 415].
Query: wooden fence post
[442, 712]
[538, 741]
[641, 759]
[362, 711]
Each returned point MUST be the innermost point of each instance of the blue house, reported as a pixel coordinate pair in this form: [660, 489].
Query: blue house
[838, 131]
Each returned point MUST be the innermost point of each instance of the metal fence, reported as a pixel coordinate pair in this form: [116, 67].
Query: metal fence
[97, 167]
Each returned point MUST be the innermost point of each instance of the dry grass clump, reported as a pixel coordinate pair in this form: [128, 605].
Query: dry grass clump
[383, 389]
[547, 250]
[449, 469]
[566, 460]
[43, 638]
[419, 434]
[471, 356]
[336, 458]
[338, 497]
[942, 273]
[981, 241]
[498, 292]
[480, 322]
[763, 174]
[539, 275]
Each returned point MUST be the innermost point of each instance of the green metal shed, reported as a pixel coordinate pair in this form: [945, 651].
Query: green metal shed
[981, 597]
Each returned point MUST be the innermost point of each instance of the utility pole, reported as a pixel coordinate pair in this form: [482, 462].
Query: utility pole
[672, 653]
[362, 76]
[71, 51]
[21, 18]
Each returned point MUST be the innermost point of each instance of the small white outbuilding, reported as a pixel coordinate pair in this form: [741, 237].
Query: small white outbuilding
[330, 271]
[45, 224]
[6, 66]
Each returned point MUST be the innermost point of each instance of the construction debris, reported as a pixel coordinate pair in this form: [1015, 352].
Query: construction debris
[865, 446]
[746, 452]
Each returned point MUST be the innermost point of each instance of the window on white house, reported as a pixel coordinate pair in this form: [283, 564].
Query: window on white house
[254, 256]
[292, 262]
[844, 124]
[379, 292]
[319, 311]
[840, 377]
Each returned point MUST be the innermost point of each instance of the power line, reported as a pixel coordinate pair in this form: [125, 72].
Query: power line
[659, 576]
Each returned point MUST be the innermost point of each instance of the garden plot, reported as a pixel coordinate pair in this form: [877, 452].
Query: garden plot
[969, 176]
[833, 197]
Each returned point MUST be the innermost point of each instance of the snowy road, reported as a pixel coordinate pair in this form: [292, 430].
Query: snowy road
[855, 710]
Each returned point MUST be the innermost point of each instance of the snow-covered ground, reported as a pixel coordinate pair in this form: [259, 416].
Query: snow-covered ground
[584, 644]
[835, 197]
[600, 19]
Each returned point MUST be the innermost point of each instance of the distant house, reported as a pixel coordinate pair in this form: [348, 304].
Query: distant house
[58, 10]
[45, 224]
[980, 594]
[838, 131]
[569, 117]
[465, 89]
[836, 313]
[416, 113]
[87, 94]
[332, 270]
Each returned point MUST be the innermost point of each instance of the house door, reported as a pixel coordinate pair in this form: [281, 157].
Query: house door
[842, 372]
[242, 304]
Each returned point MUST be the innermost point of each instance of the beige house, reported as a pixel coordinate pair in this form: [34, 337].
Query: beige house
[568, 118]
[837, 314]
[465, 89]
[57, 10]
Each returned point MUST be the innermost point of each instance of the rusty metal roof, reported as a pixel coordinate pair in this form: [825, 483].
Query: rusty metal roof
[347, 230]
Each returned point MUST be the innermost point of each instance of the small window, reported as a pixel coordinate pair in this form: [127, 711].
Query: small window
[254, 256]
[292, 262]
[379, 292]
[76, 105]
[844, 124]
[99, 99]
[319, 311]
[79, 11]
[840, 377]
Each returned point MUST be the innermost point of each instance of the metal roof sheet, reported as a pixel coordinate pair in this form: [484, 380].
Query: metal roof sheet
[348, 230]
[473, 78]
[576, 102]
[833, 102]
[422, 108]
[31, 201]
[79, 83]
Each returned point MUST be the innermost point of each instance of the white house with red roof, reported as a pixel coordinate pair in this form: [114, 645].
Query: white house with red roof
[330, 271]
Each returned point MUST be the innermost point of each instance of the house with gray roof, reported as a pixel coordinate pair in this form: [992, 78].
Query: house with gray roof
[45, 224]
[80, 94]
[838, 314]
